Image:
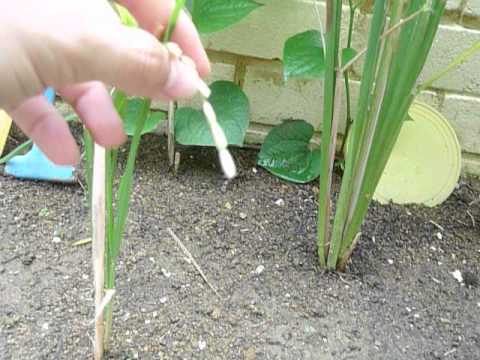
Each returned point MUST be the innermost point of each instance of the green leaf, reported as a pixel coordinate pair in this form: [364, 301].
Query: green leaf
[286, 152]
[214, 15]
[126, 17]
[134, 108]
[232, 108]
[347, 55]
[303, 56]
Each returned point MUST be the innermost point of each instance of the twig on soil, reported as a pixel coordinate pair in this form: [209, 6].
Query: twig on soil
[5, 262]
[476, 201]
[190, 257]
[344, 281]
[471, 217]
[449, 352]
[461, 222]
[436, 281]
[440, 227]
[82, 242]
[82, 186]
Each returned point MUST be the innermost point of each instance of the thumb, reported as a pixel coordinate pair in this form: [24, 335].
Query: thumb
[134, 61]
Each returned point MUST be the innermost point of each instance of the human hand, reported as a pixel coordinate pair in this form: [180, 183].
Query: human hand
[74, 47]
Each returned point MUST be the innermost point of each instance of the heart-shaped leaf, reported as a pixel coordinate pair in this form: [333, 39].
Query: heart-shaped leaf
[232, 108]
[134, 107]
[286, 152]
[303, 56]
[347, 55]
[214, 15]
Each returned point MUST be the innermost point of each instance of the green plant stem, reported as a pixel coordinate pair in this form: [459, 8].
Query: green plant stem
[346, 76]
[455, 63]
[359, 128]
[418, 35]
[381, 83]
[120, 102]
[348, 108]
[332, 35]
[116, 224]
[351, 20]
[393, 93]
[179, 4]
[17, 151]
[126, 181]
[88, 145]
[111, 156]
[115, 232]
[172, 22]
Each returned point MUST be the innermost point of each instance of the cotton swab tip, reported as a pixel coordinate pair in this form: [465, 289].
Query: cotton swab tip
[228, 165]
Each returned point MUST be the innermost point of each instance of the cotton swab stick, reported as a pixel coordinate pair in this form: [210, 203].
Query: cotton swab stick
[219, 138]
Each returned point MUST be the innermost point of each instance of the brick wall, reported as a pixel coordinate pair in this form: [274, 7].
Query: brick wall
[250, 52]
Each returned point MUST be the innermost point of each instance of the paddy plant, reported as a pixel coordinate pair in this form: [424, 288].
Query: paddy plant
[400, 36]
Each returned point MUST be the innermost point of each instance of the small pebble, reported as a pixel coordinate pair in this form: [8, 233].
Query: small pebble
[166, 273]
[243, 216]
[56, 240]
[202, 344]
[457, 274]
[163, 300]
[228, 206]
[28, 259]
[250, 354]
[254, 170]
[390, 261]
[259, 269]
[280, 202]
[439, 235]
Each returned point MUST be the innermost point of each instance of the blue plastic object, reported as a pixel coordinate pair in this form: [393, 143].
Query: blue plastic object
[34, 165]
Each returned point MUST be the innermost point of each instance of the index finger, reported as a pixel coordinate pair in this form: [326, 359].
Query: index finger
[153, 15]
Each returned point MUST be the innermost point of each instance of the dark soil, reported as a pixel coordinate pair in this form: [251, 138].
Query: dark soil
[398, 300]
